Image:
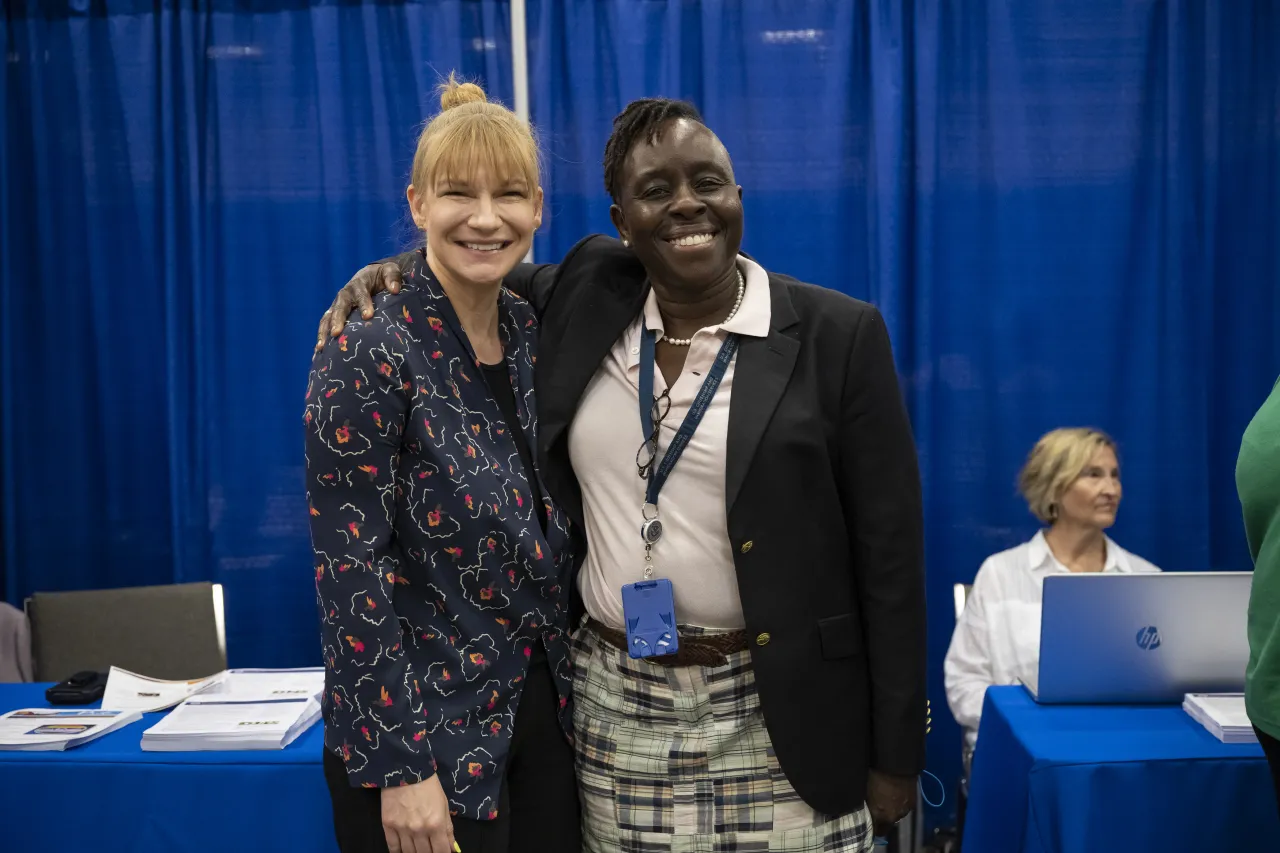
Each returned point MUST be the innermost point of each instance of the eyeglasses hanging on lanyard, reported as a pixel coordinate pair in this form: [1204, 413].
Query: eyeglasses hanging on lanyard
[652, 411]
[648, 452]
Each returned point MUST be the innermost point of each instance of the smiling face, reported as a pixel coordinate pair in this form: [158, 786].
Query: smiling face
[475, 188]
[478, 225]
[679, 207]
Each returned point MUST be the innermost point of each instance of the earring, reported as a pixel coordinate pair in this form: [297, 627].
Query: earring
[626, 242]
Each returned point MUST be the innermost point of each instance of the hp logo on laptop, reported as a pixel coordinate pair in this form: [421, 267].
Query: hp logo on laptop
[1148, 638]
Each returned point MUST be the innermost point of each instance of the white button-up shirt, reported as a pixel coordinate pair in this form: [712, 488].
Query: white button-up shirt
[997, 639]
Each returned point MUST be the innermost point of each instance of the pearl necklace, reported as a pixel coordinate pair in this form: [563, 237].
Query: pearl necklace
[737, 303]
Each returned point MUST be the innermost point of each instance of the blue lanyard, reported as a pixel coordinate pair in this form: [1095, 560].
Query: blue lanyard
[658, 475]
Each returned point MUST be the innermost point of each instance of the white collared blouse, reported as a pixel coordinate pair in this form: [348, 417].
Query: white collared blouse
[997, 639]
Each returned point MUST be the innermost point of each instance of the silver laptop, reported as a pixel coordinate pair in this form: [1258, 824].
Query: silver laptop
[1142, 638]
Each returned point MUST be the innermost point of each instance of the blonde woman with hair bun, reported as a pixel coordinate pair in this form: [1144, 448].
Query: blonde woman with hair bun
[1071, 483]
[441, 564]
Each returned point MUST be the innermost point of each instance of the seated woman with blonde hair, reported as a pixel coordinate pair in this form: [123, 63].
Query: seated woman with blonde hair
[1071, 482]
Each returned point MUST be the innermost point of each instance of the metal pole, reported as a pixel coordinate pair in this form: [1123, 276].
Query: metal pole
[520, 69]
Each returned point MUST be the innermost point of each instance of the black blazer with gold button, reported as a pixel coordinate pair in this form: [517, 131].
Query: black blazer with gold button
[823, 503]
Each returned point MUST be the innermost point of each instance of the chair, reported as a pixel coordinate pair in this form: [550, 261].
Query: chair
[960, 592]
[15, 645]
[172, 632]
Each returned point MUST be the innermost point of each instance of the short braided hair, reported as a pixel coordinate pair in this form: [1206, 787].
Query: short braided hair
[641, 120]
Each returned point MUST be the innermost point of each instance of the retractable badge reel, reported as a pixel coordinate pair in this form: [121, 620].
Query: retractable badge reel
[650, 532]
[649, 605]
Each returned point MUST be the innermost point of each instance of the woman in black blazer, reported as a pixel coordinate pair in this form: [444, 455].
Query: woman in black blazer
[806, 697]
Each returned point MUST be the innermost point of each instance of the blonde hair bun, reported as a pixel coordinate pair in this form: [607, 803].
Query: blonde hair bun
[455, 94]
[482, 134]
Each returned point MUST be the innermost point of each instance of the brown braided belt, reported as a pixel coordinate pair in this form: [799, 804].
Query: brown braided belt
[702, 650]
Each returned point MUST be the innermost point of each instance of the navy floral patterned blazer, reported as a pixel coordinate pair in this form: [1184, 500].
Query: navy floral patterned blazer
[433, 576]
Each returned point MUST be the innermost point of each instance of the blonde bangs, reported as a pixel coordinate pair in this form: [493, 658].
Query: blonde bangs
[474, 136]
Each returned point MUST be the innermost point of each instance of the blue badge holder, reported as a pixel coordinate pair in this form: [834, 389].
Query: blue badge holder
[649, 608]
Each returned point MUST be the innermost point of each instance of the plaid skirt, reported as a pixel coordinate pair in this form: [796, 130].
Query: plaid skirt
[677, 760]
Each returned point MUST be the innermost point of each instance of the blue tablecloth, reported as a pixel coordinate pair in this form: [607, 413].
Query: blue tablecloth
[1112, 778]
[109, 795]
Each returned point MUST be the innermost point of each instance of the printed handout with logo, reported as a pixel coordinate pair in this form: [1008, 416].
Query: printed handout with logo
[59, 728]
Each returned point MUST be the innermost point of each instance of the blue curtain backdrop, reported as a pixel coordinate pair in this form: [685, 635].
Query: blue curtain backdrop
[185, 185]
[1067, 211]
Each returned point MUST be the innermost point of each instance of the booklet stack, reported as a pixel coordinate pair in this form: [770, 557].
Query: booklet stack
[246, 709]
[57, 728]
[1222, 714]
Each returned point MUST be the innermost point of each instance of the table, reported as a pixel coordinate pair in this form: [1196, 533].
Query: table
[1096, 778]
[109, 795]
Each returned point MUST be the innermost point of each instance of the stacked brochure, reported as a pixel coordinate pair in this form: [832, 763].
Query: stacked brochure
[1222, 714]
[270, 683]
[57, 728]
[247, 709]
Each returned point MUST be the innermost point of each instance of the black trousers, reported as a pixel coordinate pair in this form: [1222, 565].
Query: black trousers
[538, 808]
[1271, 747]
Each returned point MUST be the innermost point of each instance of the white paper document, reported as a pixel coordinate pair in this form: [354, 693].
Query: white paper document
[215, 722]
[57, 728]
[128, 691]
[269, 684]
[1222, 714]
